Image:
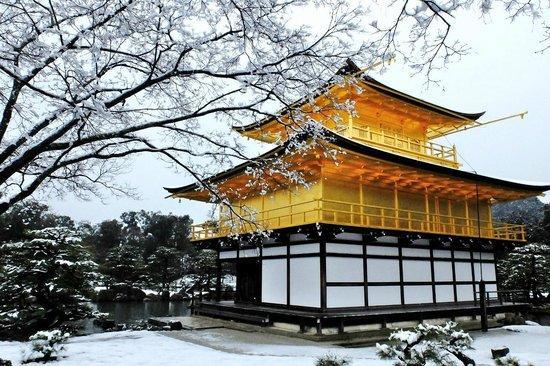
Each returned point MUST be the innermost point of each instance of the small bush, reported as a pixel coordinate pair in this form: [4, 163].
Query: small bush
[509, 361]
[427, 344]
[46, 346]
[332, 360]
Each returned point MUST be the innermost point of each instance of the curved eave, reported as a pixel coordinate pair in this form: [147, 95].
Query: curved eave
[370, 151]
[386, 90]
[399, 159]
[383, 89]
[216, 178]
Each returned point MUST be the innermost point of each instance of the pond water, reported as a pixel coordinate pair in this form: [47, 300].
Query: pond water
[129, 312]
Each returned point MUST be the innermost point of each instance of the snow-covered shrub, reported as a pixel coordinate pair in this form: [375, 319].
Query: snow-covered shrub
[332, 360]
[46, 346]
[509, 361]
[427, 344]
[43, 282]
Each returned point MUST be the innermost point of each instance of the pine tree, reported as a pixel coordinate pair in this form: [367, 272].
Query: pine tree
[124, 265]
[529, 212]
[200, 269]
[427, 345]
[164, 267]
[527, 268]
[43, 281]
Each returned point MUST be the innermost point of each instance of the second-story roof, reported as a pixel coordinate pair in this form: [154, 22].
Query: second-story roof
[341, 142]
[350, 68]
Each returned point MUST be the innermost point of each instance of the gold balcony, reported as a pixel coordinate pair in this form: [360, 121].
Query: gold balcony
[359, 215]
[404, 145]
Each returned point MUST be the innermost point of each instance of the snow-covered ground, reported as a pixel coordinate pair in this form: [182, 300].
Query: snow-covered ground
[528, 343]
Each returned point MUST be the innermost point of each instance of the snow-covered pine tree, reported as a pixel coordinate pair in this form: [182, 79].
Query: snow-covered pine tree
[124, 266]
[427, 345]
[529, 212]
[43, 281]
[46, 346]
[200, 270]
[526, 268]
[163, 267]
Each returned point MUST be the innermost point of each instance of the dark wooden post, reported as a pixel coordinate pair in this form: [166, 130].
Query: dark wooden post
[218, 277]
[483, 306]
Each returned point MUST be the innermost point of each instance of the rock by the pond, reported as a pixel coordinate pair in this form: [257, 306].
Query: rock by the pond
[104, 323]
[176, 325]
[5, 362]
[177, 297]
[499, 352]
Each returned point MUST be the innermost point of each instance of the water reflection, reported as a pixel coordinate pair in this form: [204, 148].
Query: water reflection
[129, 312]
[126, 312]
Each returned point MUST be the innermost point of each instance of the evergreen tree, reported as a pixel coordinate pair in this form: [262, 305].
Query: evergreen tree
[164, 267]
[109, 235]
[165, 230]
[124, 265]
[43, 281]
[27, 216]
[428, 345]
[528, 212]
[527, 268]
[200, 269]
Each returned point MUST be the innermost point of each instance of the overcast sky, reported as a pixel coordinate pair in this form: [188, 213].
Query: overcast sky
[502, 75]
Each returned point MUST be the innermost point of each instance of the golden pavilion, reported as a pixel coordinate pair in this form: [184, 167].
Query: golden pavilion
[387, 228]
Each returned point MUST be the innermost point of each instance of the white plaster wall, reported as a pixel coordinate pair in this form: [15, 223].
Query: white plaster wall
[305, 282]
[249, 253]
[384, 295]
[484, 255]
[350, 236]
[462, 254]
[228, 254]
[297, 237]
[415, 252]
[417, 270]
[463, 271]
[418, 294]
[444, 293]
[379, 250]
[382, 270]
[274, 251]
[465, 292]
[387, 239]
[443, 271]
[345, 296]
[489, 272]
[274, 281]
[344, 269]
[304, 248]
[344, 248]
[442, 253]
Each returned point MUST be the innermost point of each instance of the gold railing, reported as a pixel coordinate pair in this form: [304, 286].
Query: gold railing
[352, 214]
[404, 145]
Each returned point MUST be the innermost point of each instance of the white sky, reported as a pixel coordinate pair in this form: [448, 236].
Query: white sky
[502, 75]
